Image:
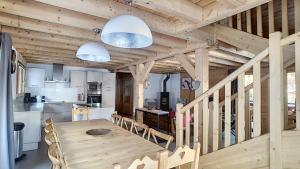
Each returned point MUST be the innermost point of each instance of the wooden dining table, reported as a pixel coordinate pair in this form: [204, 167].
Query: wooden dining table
[83, 151]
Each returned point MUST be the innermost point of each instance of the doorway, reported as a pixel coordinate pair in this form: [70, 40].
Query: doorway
[124, 94]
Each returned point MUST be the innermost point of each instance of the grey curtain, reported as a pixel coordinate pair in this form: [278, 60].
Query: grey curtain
[7, 156]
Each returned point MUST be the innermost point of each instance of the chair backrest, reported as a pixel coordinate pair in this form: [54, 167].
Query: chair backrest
[48, 128]
[160, 135]
[181, 156]
[139, 127]
[116, 119]
[127, 121]
[145, 163]
[81, 113]
[48, 121]
[54, 156]
[50, 138]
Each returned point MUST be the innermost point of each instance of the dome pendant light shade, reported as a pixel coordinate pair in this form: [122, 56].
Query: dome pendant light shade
[94, 52]
[127, 31]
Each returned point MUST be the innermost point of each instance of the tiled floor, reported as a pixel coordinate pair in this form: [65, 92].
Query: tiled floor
[36, 159]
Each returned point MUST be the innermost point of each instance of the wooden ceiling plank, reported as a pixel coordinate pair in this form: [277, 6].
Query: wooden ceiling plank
[182, 9]
[218, 11]
[32, 41]
[108, 9]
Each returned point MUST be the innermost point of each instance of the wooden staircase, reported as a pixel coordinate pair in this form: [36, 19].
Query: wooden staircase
[278, 148]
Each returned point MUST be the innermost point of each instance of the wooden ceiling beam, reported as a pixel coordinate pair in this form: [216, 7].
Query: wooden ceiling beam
[70, 40]
[83, 19]
[228, 56]
[219, 10]
[181, 9]
[37, 61]
[67, 46]
[27, 48]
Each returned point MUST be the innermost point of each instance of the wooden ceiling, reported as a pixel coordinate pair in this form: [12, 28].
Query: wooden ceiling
[50, 31]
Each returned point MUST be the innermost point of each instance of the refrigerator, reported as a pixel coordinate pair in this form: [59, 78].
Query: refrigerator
[7, 153]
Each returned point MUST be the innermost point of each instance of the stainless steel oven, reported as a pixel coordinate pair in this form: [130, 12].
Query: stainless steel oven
[94, 94]
[94, 100]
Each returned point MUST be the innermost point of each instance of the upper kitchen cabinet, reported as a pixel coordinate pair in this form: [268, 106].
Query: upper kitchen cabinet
[35, 77]
[94, 76]
[108, 89]
[78, 78]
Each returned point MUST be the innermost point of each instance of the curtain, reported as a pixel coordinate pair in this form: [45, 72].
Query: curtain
[7, 156]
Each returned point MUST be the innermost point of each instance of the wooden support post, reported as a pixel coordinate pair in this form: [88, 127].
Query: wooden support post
[216, 121]
[205, 125]
[140, 73]
[179, 125]
[297, 15]
[227, 130]
[240, 134]
[196, 123]
[285, 116]
[284, 18]
[276, 100]
[259, 21]
[256, 100]
[239, 21]
[271, 16]
[202, 74]
[297, 72]
[249, 22]
[247, 117]
[230, 24]
[187, 127]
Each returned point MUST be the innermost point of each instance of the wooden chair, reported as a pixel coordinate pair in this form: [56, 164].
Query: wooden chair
[145, 163]
[139, 127]
[48, 128]
[160, 135]
[54, 156]
[50, 138]
[126, 121]
[81, 113]
[181, 156]
[48, 121]
[116, 119]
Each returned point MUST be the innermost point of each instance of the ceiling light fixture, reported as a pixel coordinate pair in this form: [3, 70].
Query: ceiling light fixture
[93, 52]
[127, 31]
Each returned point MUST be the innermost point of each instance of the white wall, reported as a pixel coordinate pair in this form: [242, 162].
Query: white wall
[58, 91]
[156, 86]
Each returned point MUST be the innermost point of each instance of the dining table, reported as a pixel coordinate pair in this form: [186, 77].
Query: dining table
[119, 146]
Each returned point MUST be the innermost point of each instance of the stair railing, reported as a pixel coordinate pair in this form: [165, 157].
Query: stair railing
[209, 112]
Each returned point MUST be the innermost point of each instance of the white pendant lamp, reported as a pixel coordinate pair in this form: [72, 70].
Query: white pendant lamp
[127, 31]
[93, 52]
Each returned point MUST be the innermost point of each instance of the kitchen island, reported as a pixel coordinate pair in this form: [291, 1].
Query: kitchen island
[33, 115]
[30, 114]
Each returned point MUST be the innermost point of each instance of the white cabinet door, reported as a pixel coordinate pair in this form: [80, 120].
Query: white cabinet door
[35, 77]
[78, 78]
[94, 76]
[108, 90]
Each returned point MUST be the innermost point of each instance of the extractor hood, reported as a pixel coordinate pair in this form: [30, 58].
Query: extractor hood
[57, 75]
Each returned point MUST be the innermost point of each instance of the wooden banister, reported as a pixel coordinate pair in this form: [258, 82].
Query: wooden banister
[229, 78]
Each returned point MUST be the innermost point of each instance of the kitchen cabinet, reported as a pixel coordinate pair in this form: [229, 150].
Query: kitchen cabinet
[101, 113]
[32, 129]
[78, 79]
[108, 90]
[94, 76]
[35, 77]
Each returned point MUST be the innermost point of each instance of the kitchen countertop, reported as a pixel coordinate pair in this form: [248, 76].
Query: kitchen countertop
[26, 107]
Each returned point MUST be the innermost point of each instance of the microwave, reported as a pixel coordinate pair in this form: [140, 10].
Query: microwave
[94, 86]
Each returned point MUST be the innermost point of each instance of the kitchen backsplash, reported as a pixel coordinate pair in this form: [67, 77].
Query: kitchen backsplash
[55, 93]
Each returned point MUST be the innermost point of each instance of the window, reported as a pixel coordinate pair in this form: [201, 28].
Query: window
[20, 79]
